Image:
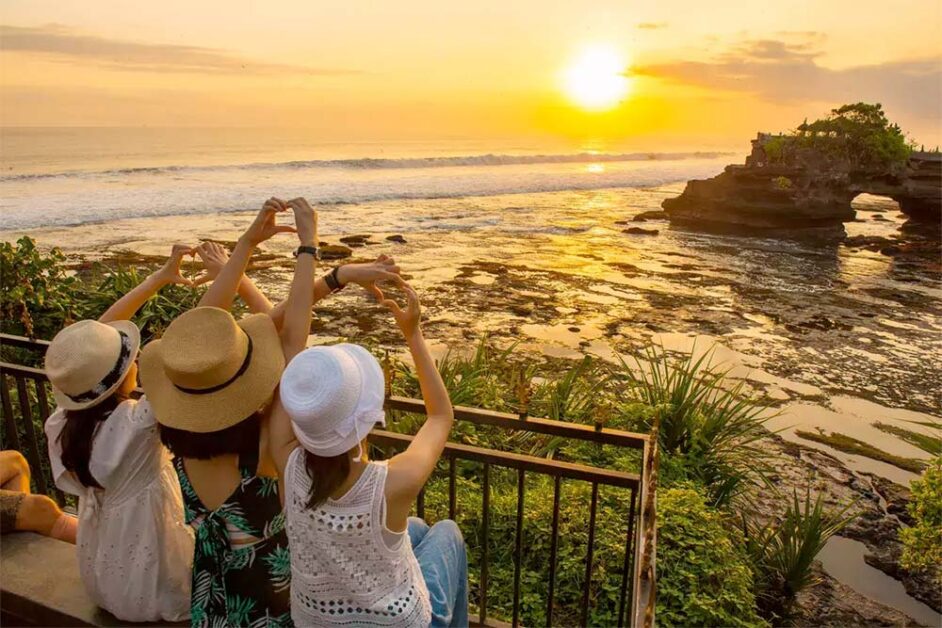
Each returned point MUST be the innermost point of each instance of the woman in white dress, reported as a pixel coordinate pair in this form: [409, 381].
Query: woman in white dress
[135, 551]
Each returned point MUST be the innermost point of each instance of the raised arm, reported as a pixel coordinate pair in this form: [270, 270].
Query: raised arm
[294, 333]
[409, 470]
[215, 257]
[223, 289]
[364, 274]
[128, 305]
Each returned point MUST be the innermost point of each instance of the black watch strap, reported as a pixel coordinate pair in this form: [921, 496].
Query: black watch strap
[313, 250]
[333, 281]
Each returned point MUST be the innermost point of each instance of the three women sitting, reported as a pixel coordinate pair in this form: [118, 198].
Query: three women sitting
[203, 532]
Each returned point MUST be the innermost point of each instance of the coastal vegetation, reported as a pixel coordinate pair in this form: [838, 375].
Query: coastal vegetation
[41, 292]
[720, 561]
[851, 445]
[922, 542]
[858, 134]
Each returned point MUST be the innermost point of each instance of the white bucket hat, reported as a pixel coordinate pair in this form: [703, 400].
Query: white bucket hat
[334, 396]
[88, 360]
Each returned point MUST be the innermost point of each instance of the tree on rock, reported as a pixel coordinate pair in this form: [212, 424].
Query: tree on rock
[858, 134]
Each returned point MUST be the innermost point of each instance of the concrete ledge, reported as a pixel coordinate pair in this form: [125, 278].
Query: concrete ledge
[40, 585]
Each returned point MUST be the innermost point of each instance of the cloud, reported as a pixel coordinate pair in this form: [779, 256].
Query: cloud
[63, 44]
[782, 71]
[652, 26]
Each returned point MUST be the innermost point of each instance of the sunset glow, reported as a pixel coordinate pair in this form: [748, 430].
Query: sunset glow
[549, 75]
[595, 78]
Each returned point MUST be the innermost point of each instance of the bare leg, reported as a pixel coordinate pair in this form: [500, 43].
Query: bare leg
[14, 471]
[40, 514]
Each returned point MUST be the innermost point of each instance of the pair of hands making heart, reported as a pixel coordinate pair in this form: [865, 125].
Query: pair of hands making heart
[368, 275]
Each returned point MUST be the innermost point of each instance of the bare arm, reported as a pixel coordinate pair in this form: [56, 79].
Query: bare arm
[127, 306]
[254, 298]
[409, 471]
[366, 274]
[215, 257]
[294, 333]
[223, 289]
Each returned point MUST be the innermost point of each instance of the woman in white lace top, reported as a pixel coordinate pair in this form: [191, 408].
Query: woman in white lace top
[357, 558]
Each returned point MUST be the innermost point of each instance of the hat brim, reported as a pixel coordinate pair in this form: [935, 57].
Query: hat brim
[368, 410]
[65, 402]
[224, 408]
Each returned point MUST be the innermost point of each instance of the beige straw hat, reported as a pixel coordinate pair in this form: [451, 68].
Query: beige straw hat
[209, 372]
[88, 360]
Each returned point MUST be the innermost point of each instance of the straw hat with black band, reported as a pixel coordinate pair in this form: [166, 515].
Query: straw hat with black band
[209, 372]
[87, 361]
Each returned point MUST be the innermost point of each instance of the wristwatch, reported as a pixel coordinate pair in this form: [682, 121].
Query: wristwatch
[313, 250]
[332, 280]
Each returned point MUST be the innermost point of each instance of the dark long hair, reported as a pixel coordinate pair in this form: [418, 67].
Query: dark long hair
[327, 474]
[78, 433]
[241, 438]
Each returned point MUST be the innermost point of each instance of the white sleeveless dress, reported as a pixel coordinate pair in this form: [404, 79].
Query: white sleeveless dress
[135, 550]
[347, 569]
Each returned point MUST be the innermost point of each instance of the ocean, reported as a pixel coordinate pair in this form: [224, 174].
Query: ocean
[60, 177]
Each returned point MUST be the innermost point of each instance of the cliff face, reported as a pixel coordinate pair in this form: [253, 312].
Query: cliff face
[809, 191]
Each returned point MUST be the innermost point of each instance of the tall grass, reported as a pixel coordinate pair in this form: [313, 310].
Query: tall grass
[709, 430]
[782, 551]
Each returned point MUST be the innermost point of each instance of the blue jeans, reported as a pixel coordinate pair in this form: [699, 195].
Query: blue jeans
[443, 559]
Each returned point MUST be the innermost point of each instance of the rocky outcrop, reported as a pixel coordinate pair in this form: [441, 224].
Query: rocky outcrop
[807, 192]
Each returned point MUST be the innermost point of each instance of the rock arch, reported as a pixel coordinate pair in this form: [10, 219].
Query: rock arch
[813, 193]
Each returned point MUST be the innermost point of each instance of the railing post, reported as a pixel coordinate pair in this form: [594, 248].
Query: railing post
[642, 612]
[9, 421]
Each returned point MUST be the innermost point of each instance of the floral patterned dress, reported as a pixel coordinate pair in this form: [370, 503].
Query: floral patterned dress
[241, 563]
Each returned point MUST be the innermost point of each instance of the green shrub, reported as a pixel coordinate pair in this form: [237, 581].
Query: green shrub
[782, 183]
[110, 284]
[857, 134]
[703, 576]
[37, 294]
[709, 428]
[922, 543]
[782, 552]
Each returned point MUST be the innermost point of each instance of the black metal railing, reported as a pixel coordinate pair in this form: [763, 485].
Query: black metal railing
[21, 431]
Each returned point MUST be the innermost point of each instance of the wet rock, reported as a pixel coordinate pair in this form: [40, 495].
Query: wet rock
[398, 239]
[871, 243]
[831, 603]
[640, 231]
[356, 241]
[335, 251]
[651, 215]
[521, 309]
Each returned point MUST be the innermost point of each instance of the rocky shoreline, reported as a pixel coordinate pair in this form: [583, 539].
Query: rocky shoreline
[808, 192]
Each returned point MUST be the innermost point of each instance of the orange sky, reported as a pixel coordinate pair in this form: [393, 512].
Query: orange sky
[700, 74]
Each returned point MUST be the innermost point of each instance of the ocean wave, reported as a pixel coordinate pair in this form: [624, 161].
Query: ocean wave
[374, 163]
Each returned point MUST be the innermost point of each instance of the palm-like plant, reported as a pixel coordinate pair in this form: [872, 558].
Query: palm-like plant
[783, 551]
[709, 430]
[573, 397]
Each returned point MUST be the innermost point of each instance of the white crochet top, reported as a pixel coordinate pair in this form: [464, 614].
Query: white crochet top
[346, 567]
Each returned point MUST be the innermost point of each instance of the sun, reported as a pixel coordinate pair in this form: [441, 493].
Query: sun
[595, 79]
